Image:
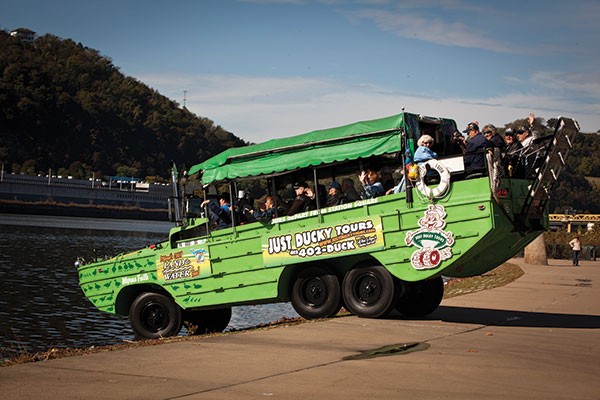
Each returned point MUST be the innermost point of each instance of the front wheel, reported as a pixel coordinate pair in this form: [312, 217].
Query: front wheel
[369, 292]
[420, 298]
[316, 293]
[154, 316]
[207, 321]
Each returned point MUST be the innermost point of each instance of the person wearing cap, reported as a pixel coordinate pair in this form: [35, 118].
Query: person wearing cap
[512, 144]
[301, 201]
[334, 194]
[491, 133]
[525, 134]
[476, 145]
[510, 157]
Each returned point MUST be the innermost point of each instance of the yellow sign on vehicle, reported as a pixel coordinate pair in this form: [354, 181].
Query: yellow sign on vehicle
[181, 264]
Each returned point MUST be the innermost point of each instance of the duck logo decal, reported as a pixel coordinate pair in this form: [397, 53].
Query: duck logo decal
[434, 244]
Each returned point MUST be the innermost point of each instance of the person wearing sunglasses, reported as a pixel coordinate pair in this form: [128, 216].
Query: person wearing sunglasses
[512, 153]
[525, 134]
[491, 133]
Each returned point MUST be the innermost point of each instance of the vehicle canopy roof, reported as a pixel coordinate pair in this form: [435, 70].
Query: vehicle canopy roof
[349, 142]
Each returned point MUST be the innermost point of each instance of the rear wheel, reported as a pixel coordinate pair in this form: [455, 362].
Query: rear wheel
[316, 293]
[369, 291]
[199, 322]
[154, 315]
[420, 298]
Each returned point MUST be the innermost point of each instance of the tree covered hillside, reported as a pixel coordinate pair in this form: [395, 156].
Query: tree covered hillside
[578, 188]
[65, 106]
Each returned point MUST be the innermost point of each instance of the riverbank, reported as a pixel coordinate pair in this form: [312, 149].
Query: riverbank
[500, 276]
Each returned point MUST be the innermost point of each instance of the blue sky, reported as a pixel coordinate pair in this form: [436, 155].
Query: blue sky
[272, 68]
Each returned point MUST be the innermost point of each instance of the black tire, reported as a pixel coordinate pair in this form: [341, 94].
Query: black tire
[316, 293]
[154, 315]
[420, 298]
[200, 322]
[369, 292]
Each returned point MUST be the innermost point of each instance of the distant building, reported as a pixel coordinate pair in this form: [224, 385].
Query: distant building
[24, 34]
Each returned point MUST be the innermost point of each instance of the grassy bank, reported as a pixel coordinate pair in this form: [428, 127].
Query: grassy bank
[500, 276]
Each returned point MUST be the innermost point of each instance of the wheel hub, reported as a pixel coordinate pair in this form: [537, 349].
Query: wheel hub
[315, 292]
[154, 317]
[368, 289]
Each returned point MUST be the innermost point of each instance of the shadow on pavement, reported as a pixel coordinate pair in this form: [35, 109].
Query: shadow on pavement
[484, 316]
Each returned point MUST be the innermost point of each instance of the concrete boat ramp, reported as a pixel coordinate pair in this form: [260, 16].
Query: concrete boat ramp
[536, 338]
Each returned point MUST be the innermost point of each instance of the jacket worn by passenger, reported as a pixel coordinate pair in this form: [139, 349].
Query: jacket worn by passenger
[474, 154]
[423, 154]
[220, 216]
[497, 141]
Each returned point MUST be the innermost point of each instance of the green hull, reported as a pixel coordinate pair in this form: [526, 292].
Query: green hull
[235, 270]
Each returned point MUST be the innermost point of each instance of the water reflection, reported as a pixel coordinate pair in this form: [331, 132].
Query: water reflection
[41, 304]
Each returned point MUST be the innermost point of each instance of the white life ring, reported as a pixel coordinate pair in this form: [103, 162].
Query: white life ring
[440, 190]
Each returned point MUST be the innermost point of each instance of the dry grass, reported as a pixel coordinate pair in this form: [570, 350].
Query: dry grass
[500, 276]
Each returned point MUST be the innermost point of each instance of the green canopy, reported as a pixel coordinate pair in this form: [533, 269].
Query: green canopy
[349, 142]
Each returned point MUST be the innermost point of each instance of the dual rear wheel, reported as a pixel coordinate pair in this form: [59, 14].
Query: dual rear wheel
[366, 291]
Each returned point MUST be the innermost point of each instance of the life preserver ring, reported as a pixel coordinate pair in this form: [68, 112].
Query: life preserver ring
[441, 189]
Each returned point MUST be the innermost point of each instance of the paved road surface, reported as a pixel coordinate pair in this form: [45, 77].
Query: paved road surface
[537, 338]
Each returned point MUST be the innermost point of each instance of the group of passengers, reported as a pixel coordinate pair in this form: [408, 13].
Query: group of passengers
[221, 214]
[374, 184]
[517, 148]
[474, 147]
[305, 197]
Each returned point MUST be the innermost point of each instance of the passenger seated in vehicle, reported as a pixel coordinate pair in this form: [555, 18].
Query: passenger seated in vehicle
[371, 184]
[491, 133]
[334, 194]
[349, 192]
[526, 134]
[243, 209]
[302, 199]
[458, 142]
[319, 192]
[266, 210]
[475, 148]
[510, 157]
[219, 215]
[422, 154]
[387, 178]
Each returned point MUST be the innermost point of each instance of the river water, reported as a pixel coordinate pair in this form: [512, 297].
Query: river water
[41, 304]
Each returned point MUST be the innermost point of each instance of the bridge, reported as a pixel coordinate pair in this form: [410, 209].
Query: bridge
[574, 219]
